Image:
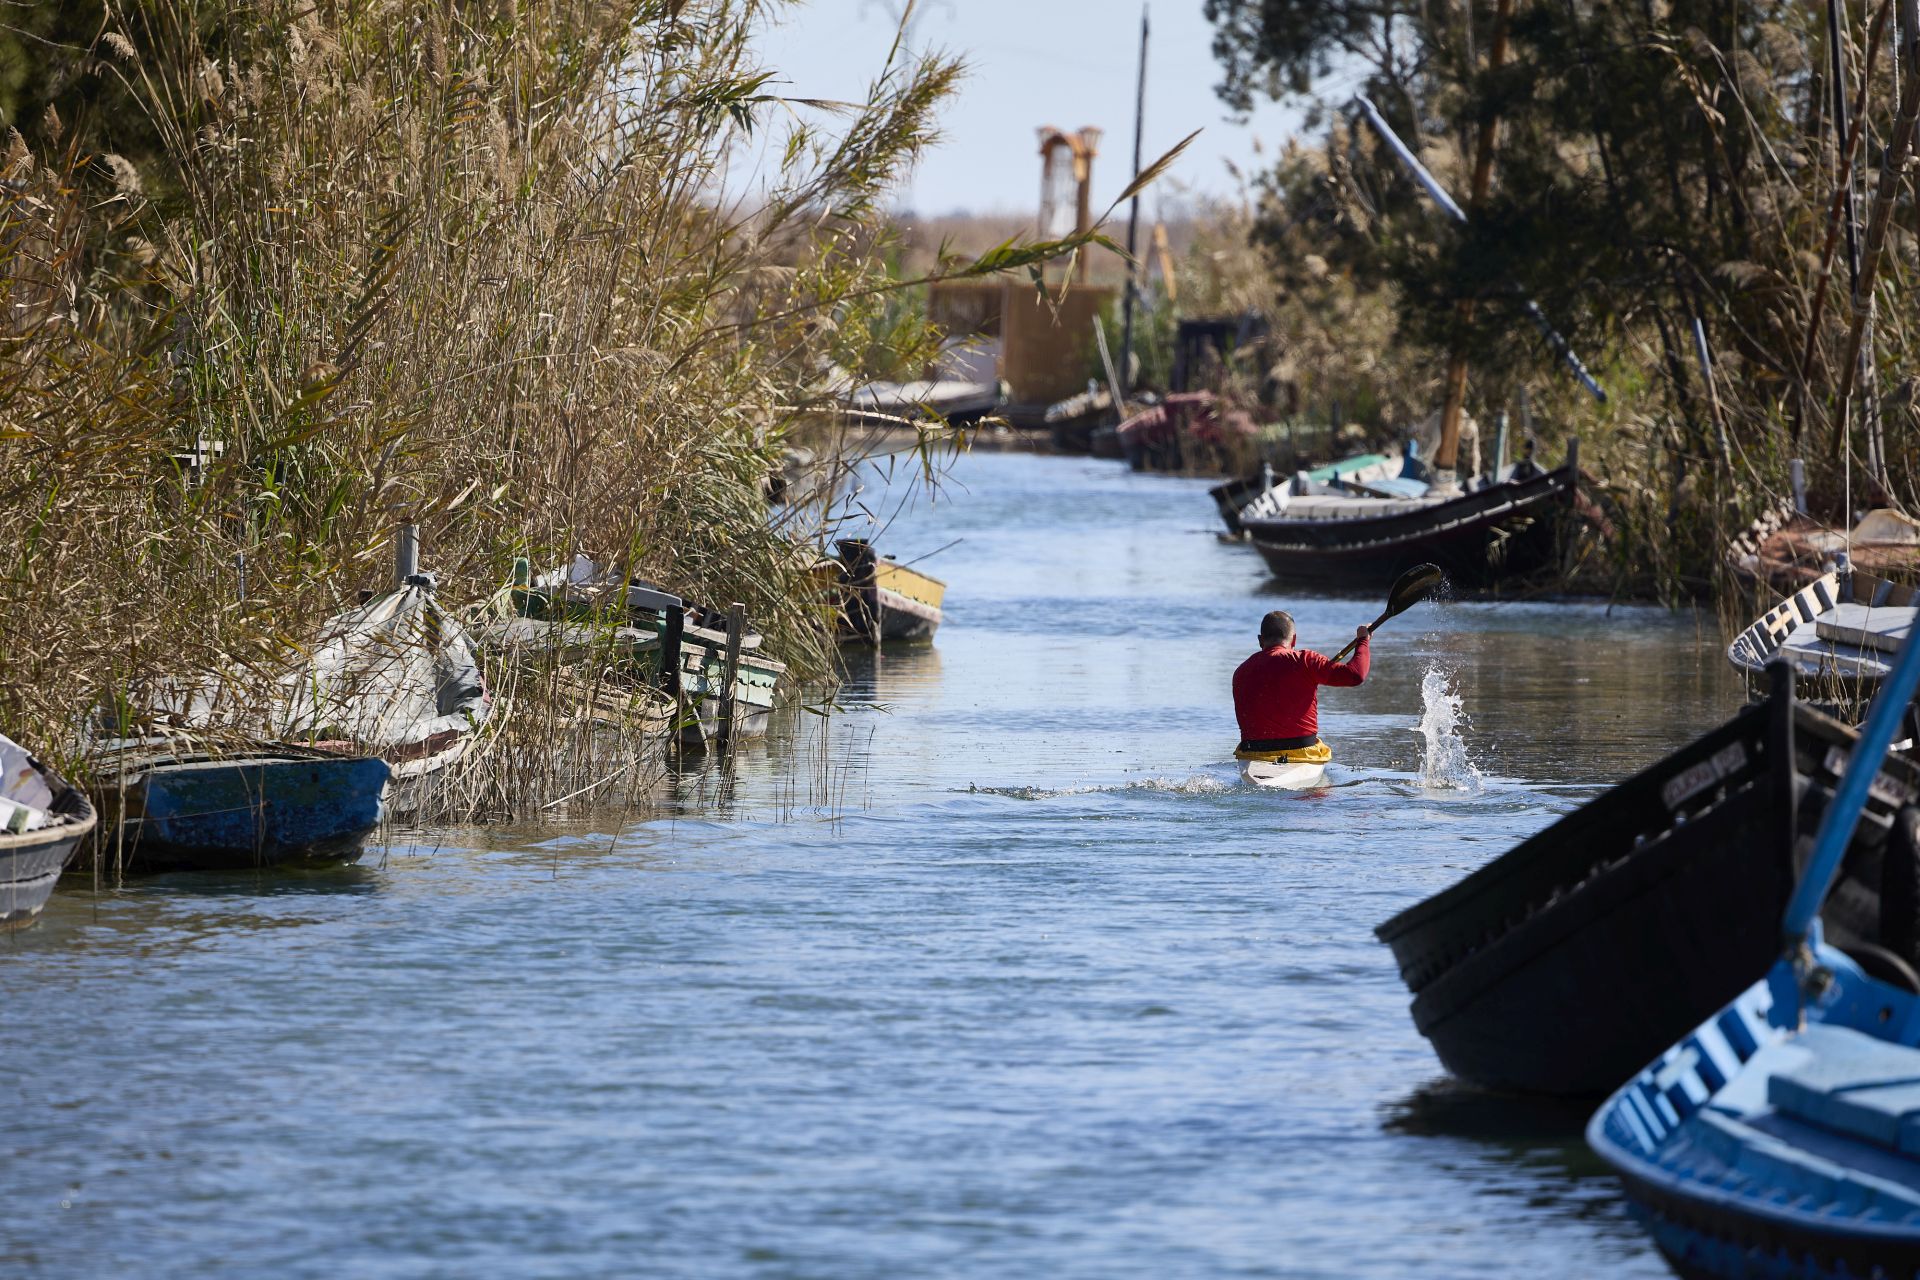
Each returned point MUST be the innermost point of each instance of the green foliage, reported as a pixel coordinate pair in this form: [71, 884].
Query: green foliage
[1656, 164]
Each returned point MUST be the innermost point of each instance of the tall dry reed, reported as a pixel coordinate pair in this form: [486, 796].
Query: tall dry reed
[493, 269]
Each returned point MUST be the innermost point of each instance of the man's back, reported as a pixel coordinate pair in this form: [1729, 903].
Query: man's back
[1276, 691]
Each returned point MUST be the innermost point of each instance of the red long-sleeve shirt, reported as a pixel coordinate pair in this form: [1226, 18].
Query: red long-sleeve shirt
[1276, 692]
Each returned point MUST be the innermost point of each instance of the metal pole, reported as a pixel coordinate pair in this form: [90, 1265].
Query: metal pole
[1705, 357]
[406, 553]
[1133, 215]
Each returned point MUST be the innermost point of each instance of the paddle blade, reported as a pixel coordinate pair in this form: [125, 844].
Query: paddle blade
[1415, 585]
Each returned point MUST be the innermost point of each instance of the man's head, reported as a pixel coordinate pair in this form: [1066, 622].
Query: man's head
[1276, 628]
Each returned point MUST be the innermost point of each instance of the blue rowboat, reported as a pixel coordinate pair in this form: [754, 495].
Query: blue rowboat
[1756, 1149]
[1782, 1137]
[182, 811]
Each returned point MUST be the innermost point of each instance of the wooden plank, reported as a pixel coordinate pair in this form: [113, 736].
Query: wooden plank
[1883, 630]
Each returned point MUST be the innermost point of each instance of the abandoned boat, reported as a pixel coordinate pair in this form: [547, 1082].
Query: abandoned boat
[1786, 549]
[1839, 633]
[650, 637]
[186, 806]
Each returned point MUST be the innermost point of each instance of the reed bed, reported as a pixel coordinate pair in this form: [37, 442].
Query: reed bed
[488, 269]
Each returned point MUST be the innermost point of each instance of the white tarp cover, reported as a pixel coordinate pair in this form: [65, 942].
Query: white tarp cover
[394, 673]
[25, 795]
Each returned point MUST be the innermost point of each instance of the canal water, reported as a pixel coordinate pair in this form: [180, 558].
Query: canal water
[997, 970]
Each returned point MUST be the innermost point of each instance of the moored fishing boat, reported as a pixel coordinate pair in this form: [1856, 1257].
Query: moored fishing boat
[398, 678]
[1071, 423]
[1644, 910]
[1839, 633]
[1496, 529]
[43, 819]
[1231, 497]
[882, 601]
[653, 638]
[184, 806]
[1781, 1138]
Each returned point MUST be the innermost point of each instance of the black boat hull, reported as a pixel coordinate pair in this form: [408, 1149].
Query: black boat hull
[1502, 531]
[1572, 961]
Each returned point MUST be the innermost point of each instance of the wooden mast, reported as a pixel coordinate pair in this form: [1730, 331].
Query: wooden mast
[1447, 458]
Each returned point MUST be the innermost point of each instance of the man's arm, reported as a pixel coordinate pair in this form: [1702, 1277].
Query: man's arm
[1344, 675]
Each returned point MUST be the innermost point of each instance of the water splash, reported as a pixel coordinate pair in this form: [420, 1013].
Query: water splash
[1444, 765]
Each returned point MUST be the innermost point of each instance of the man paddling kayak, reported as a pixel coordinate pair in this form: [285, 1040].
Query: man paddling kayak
[1276, 698]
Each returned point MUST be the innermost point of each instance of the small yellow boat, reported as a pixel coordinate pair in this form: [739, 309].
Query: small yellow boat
[882, 601]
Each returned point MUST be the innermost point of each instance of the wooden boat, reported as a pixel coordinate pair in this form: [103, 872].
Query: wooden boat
[1072, 422]
[1567, 963]
[955, 401]
[182, 807]
[398, 678]
[1755, 1149]
[1781, 1138]
[1496, 530]
[882, 601]
[663, 642]
[1839, 632]
[46, 819]
[1231, 497]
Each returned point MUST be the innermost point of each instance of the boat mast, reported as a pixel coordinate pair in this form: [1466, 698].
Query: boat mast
[1133, 217]
[1445, 460]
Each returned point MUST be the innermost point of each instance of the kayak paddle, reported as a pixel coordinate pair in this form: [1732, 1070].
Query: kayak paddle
[1412, 587]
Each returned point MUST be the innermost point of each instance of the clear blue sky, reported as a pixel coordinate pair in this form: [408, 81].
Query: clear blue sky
[1033, 62]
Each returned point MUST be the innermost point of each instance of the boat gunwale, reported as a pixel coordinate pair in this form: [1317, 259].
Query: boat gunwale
[1843, 588]
[1488, 505]
[1658, 1189]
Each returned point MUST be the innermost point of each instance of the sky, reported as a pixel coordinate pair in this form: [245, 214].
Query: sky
[1036, 62]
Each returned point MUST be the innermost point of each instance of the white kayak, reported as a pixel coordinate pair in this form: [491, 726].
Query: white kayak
[1286, 775]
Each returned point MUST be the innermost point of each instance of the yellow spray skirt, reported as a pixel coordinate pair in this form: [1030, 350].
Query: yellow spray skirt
[1318, 753]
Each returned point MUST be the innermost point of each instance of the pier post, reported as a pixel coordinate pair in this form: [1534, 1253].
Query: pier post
[730, 670]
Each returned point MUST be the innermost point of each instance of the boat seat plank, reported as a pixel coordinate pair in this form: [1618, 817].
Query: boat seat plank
[1752, 1163]
[1853, 1084]
[1811, 654]
[1883, 630]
